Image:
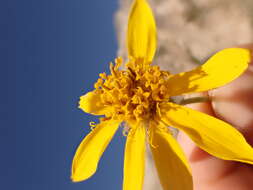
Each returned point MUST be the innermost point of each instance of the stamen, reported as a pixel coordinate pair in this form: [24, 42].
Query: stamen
[150, 134]
[125, 132]
[112, 69]
[118, 62]
[131, 73]
[158, 110]
[92, 125]
[105, 87]
[129, 97]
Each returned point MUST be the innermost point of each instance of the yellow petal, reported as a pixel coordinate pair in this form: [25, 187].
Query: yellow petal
[91, 103]
[212, 135]
[90, 150]
[141, 34]
[134, 162]
[172, 166]
[219, 70]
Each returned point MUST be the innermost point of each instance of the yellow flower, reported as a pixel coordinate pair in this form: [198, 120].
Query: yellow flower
[140, 96]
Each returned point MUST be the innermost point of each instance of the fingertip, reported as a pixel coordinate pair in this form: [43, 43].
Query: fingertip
[234, 102]
[194, 153]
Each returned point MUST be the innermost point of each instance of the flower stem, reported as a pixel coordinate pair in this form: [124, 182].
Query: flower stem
[195, 100]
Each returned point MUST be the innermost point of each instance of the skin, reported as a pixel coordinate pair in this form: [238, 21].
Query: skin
[232, 103]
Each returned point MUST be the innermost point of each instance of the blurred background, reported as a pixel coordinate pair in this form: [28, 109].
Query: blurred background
[51, 53]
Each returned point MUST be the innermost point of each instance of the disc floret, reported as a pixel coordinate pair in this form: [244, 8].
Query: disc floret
[132, 94]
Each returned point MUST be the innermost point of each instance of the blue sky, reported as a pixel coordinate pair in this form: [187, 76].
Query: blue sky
[54, 50]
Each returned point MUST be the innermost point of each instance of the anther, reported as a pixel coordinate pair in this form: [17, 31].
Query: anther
[92, 125]
[112, 69]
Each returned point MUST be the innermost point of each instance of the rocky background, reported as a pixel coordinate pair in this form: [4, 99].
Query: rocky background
[189, 31]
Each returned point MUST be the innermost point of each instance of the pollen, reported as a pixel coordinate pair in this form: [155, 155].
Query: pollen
[133, 93]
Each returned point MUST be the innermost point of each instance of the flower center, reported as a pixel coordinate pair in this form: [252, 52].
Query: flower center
[133, 93]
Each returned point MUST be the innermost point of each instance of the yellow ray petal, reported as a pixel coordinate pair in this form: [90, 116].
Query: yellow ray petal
[134, 162]
[90, 150]
[219, 70]
[171, 163]
[141, 34]
[91, 103]
[212, 135]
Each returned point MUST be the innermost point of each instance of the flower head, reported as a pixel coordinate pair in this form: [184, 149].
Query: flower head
[140, 96]
[130, 95]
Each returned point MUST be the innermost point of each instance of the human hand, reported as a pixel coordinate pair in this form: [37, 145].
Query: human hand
[232, 103]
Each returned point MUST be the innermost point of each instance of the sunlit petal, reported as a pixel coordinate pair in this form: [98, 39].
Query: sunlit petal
[171, 163]
[219, 70]
[212, 135]
[141, 35]
[91, 148]
[134, 163]
[91, 103]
